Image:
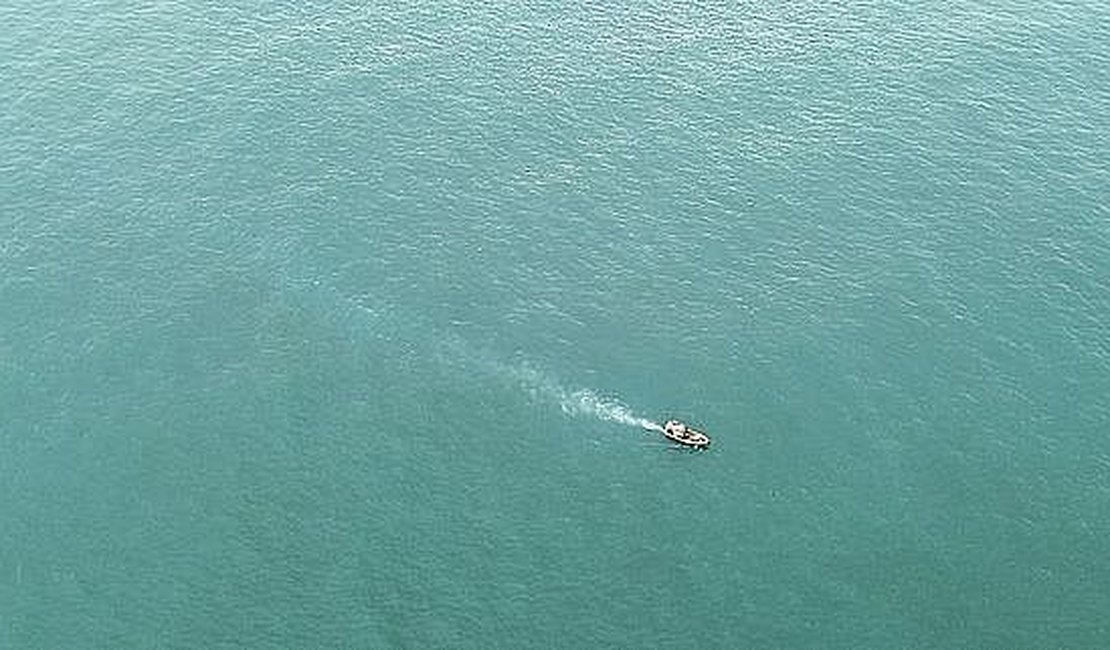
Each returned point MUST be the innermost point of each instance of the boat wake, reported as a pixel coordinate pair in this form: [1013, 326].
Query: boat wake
[581, 402]
[455, 351]
[588, 403]
[543, 387]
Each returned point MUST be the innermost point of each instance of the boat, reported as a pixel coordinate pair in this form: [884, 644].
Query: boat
[684, 435]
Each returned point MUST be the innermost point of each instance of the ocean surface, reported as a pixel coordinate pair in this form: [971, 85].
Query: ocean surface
[346, 325]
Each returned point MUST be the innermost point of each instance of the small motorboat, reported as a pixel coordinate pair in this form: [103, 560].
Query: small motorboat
[684, 435]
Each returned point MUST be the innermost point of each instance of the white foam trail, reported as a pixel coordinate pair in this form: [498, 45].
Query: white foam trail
[582, 402]
[586, 402]
[543, 387]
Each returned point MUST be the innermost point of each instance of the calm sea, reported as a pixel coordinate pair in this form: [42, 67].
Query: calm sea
[339, 325]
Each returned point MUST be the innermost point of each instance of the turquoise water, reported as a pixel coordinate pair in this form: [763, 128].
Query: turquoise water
[329, 325]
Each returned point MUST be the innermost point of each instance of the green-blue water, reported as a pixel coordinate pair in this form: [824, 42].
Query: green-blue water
[330, 325]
